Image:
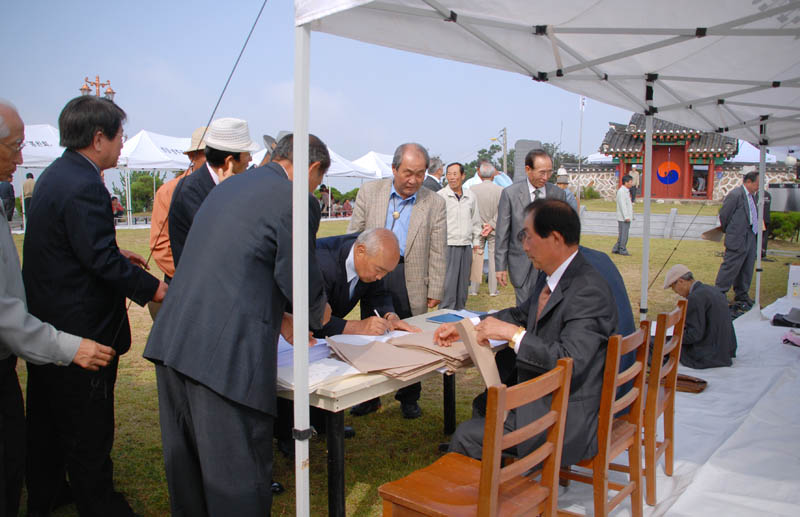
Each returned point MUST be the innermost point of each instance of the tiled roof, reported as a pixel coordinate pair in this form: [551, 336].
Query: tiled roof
[629, 139]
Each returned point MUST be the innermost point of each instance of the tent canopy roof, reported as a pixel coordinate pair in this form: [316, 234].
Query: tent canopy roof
[148, 150]
[717, 65]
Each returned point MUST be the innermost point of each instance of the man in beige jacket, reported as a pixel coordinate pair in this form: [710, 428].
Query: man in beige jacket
[417, 217]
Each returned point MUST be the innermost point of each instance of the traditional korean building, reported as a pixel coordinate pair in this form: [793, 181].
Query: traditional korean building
[686, 162]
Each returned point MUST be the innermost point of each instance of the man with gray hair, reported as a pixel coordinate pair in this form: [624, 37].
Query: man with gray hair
[487, 194]
[709, 339]
[24, 335]
[416, 216]
[433, 178]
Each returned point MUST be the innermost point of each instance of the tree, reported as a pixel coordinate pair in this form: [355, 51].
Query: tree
[560, 157]
[141, 189]
[495, 156]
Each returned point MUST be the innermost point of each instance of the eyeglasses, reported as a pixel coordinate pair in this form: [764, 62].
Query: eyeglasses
[14, 148]
[522, 236]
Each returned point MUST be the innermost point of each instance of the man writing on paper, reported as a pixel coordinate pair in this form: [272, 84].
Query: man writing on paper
[353, 267]
[571, 314]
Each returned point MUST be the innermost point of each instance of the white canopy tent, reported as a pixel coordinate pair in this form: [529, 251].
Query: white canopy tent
[379, 164]
[730, 67]
[148, 150]
[748, 153]
[41, 146]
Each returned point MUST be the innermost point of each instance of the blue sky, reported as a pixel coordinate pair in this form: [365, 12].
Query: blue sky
[168, 61]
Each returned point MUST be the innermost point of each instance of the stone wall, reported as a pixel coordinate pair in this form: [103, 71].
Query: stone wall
[604, 180]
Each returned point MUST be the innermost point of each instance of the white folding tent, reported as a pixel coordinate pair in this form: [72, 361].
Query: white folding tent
[730, 67]
[379, 164]
[41, 146]
[151, 151]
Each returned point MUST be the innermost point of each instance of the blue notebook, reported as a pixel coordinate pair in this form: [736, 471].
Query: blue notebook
[445, 318]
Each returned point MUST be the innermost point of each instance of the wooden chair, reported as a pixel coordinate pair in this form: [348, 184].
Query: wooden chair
[617, 435]
[660, 399]
[456, 485]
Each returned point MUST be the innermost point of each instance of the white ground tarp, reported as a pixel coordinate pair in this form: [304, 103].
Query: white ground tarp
[746, 53]
[148, 150]
[41, 146]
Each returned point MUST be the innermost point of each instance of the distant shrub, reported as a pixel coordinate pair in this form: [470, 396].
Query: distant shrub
[590, 193]
[784, 225]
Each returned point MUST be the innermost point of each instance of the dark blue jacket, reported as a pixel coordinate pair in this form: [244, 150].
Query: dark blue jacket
[189, 194]
[332, 254]
[75, 276]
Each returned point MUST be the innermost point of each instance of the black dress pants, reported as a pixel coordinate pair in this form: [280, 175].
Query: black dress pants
[12, 438]
[396, 282]
[217, 452]
[71, 430]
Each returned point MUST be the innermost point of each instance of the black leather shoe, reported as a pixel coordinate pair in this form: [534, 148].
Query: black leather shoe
[444, 447]
[746, 300]
[411, 410]
[276, 487]
[349, 432]
[365, 408]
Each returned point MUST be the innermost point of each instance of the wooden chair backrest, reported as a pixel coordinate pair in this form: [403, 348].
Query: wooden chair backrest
[502, 399]
[661, 370]
[610, 403]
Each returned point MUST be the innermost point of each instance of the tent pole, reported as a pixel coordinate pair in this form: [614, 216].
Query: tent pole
[128, 199]
[302, 42]
[648, 178]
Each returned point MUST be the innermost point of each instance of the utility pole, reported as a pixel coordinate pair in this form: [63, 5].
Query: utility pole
[504, 136]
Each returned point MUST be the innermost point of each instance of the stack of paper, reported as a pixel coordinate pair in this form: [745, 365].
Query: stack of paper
[321, 367]
[392, 361]
[454, 356]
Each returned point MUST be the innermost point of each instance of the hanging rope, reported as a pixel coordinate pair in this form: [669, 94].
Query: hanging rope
[676, 247]
[180, 183]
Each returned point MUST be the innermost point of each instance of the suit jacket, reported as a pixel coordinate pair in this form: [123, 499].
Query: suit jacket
[332, 255]
[708, 337]
[75, 276]
[190, 193]
[22, 334]
[576, 322]
[508, 253]
[734, 217]
[425, 243]
[488, 195]
[432, 184]
[220, 321]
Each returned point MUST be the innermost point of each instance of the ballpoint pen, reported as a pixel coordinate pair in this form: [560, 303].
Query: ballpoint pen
[378, 315]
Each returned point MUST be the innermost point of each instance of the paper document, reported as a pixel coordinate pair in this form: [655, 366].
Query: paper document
[482, 356]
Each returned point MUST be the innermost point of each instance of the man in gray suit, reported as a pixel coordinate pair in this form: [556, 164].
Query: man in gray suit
[417, 217]
[24, 335]
[571, 314]
[433, 178]
[738, 218]
[510, 259]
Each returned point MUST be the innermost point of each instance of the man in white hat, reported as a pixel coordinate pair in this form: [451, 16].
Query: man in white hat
[228, 148]
[159, 232]
[709, 340]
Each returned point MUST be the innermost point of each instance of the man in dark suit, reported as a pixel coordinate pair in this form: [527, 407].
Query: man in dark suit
[353, 267]
[571, 314]
[228, 148]
[215, 340]
[510, 259]
[709, 339]
[77, 279]
[738, 218]
[433, 178]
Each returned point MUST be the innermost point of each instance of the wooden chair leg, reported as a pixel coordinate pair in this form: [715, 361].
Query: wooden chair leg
[635, 475]
[600, 488]
[387, 508]
[669, 437]
[650, 462]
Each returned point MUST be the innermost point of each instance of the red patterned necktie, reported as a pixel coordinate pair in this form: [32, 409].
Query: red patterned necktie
[543, 297]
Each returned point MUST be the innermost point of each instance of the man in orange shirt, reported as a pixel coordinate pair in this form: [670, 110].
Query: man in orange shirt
[159, 229]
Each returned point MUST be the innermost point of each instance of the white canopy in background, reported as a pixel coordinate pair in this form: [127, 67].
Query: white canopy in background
[748, 153]
[340, 166]
[41, 146]
[379, 164]
[599, 158]
[148, 150]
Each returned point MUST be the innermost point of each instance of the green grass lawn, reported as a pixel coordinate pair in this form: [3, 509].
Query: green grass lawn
[684, 208]
[386, 446]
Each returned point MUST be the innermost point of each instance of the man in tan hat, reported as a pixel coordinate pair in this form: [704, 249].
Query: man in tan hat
[709, 340]
[159, 232]
[228, 148]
